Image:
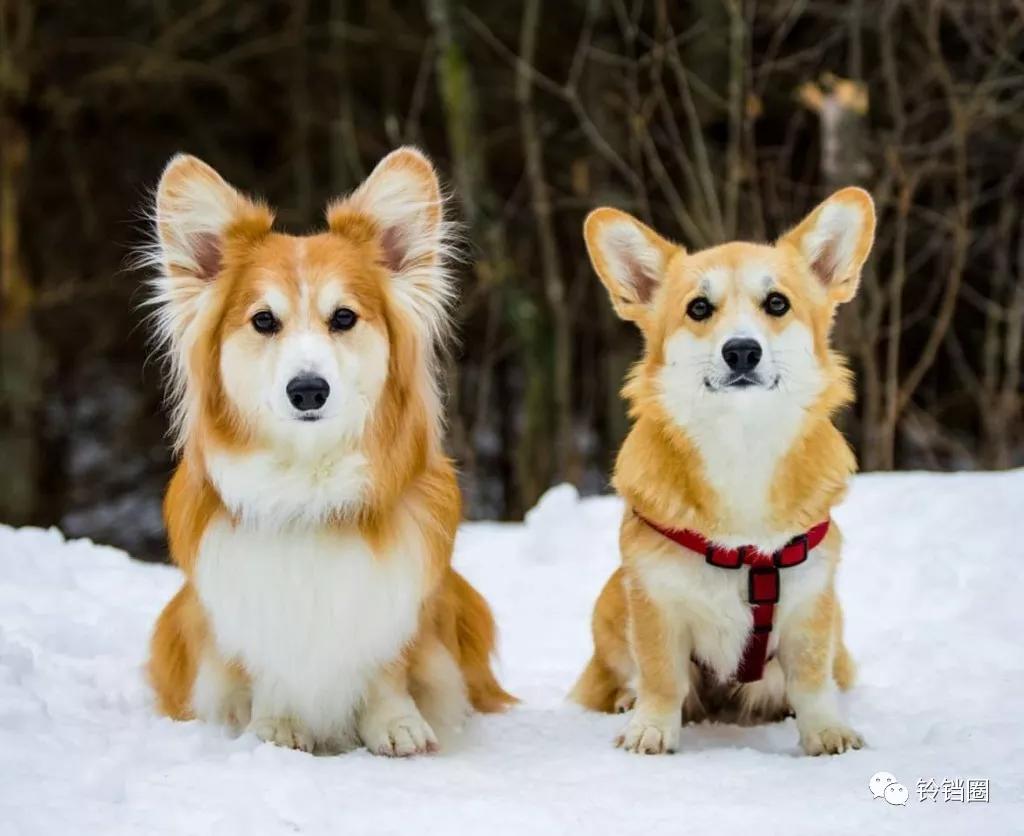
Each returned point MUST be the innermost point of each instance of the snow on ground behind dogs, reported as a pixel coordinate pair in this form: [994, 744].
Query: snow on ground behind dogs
[932, 586]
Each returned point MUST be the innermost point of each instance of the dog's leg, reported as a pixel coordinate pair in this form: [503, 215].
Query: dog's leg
[606, 683]
[221, 692]
[844, 669]
[806, 652]
[438, 686]
[272, 722]
[663, 680]
[389, 722]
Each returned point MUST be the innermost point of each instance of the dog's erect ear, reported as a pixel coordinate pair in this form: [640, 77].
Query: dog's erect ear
[198, 218]
[835, 240]
[630, 259]
[402, 198]
[195, 212]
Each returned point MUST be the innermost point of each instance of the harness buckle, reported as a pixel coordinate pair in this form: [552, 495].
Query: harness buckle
[714, 557]
[763, 585]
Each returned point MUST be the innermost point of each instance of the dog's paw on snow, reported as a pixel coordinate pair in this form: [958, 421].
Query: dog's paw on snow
[399, 737]
[647, 736]
[283, 731]
[832, 740]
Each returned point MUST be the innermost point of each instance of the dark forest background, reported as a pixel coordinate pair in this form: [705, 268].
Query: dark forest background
[710, 119]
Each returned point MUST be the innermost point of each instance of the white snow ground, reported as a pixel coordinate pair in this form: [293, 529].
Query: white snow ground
[933, 588]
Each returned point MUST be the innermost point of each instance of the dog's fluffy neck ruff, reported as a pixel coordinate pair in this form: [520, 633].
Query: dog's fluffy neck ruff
[315, 482]
[737, 480]
[267, 488]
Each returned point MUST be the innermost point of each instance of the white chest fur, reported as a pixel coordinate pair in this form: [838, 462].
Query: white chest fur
[741, 448]
[310, 613]
[282, 488]
[709, 605]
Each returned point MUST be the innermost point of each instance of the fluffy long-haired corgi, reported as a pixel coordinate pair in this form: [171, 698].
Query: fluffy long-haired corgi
[313, 510]
[725, 602]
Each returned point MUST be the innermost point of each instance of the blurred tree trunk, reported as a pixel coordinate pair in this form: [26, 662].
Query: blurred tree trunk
[460, 117]
[346, 165]
[492, 268]
[998, 386]
[565, 462]
[841, 106]
[302, 166]
[21, 367]
[594, 185]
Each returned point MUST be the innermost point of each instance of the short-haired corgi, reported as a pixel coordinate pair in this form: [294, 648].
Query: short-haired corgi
[725, 603]
[313, 510]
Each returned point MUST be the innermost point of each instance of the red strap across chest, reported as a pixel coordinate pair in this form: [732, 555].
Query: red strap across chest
[763, 585]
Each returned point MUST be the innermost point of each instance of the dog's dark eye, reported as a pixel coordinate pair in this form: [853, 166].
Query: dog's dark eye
[776, 304]
[266, 323]
[343, 319]
[699, 309]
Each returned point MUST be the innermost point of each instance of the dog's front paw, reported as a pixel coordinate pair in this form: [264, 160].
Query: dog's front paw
[283, 731]
[399, 737]
[831, 740]
[649, 736]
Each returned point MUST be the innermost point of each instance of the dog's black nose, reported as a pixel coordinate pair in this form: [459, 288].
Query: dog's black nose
[307, 392]
[742, 355]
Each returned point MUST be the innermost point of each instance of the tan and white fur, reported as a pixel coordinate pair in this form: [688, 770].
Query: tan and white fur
[313, 511]
[737, 444]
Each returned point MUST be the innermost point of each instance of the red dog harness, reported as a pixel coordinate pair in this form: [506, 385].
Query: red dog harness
[762, 585]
